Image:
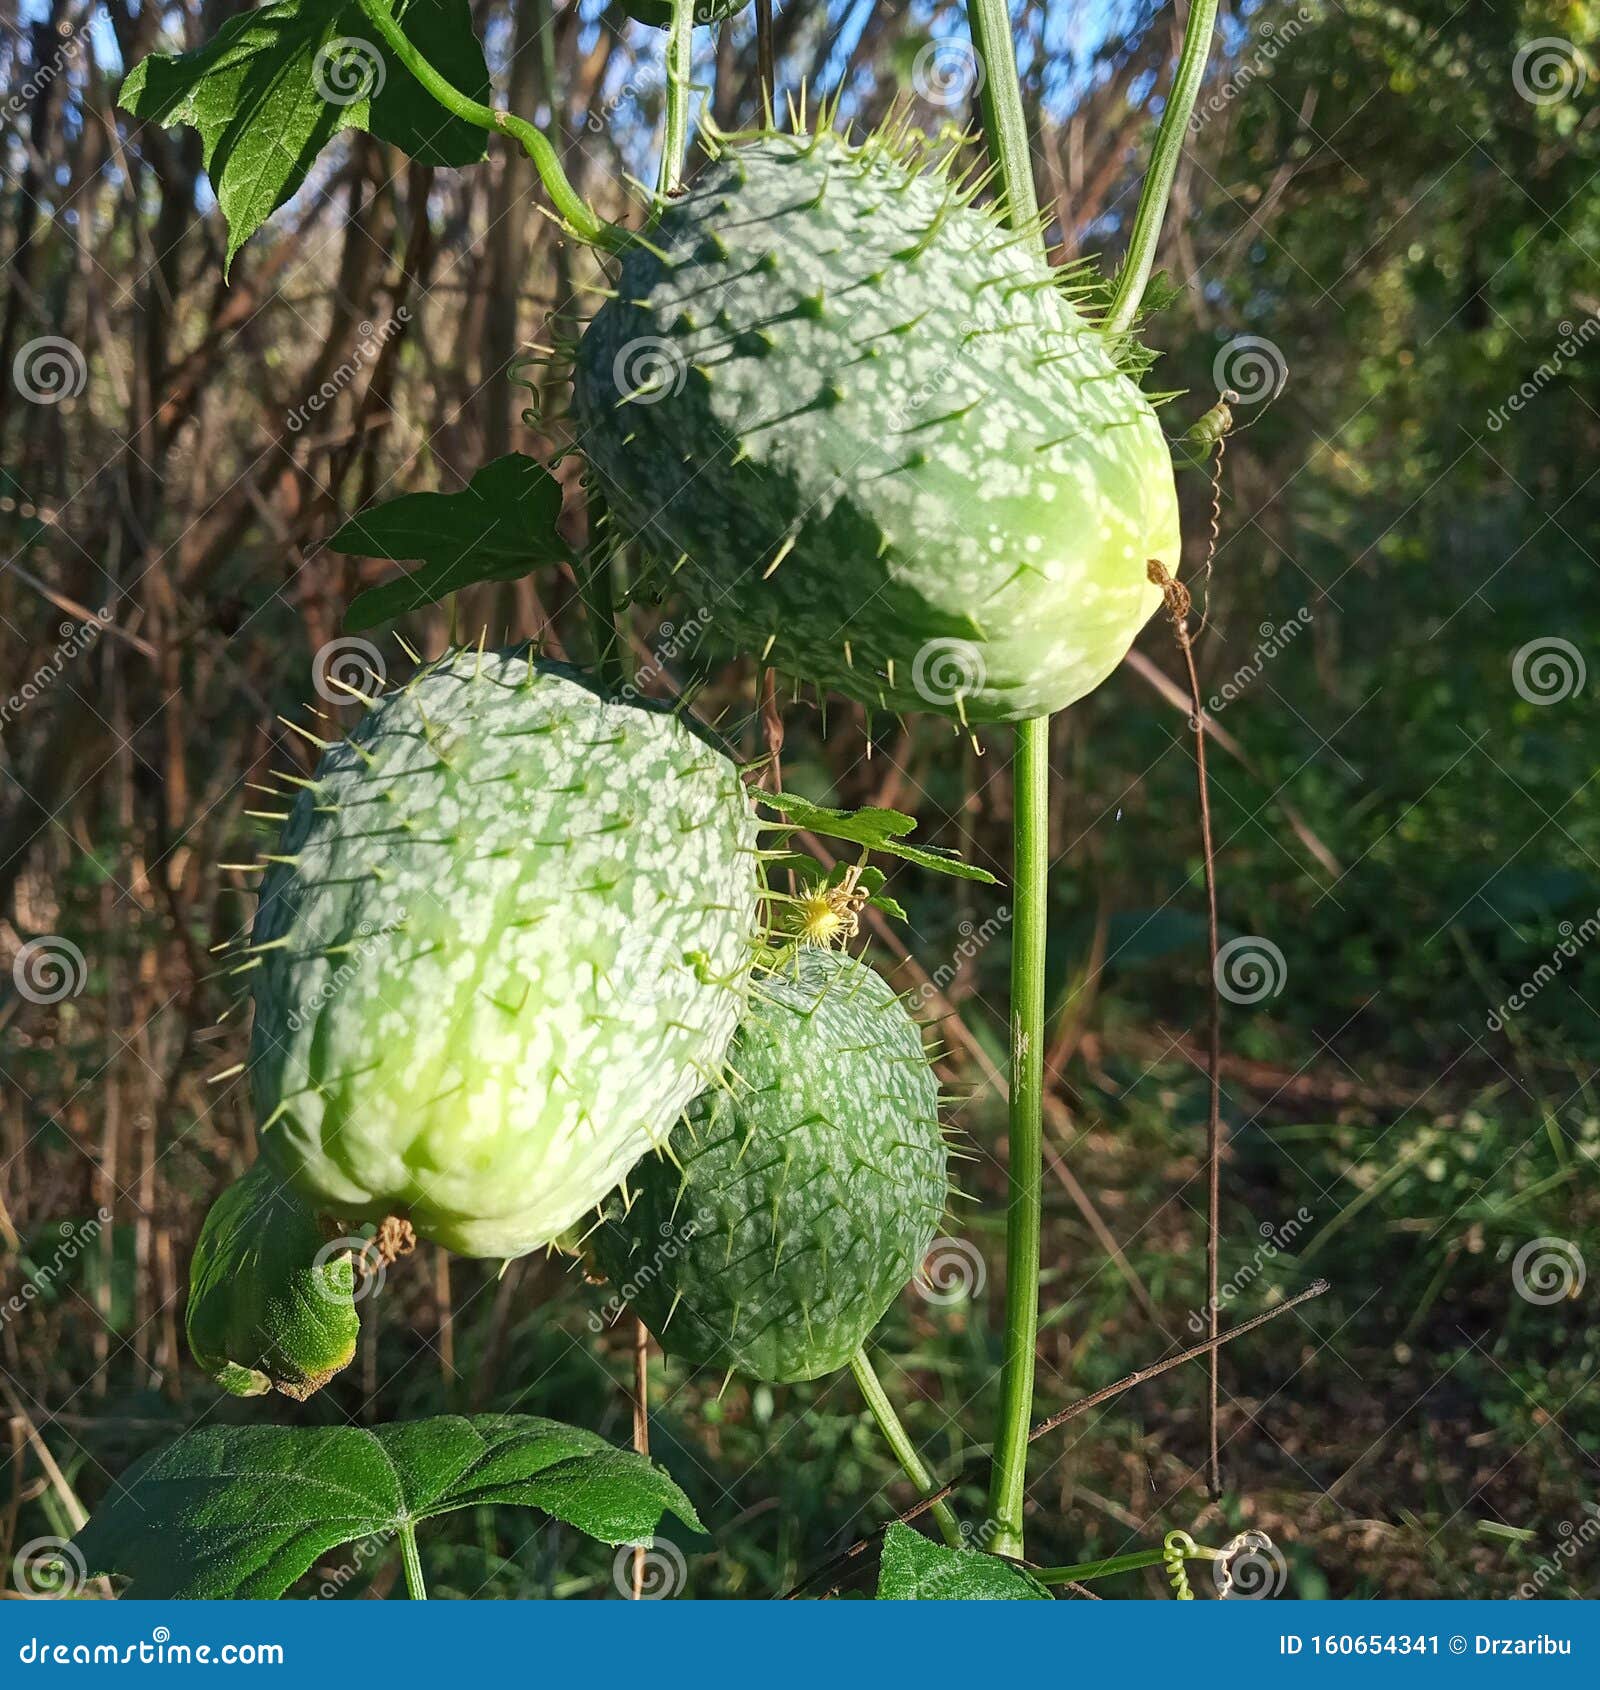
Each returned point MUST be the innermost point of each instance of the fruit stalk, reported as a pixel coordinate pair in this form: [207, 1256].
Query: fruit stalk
[905, 1452]
[1005, 129]
[1163, 170]
[535, 143]
[675, 128]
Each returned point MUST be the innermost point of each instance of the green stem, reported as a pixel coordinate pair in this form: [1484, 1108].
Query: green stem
[1157, 189]
[574, 212]
[1005, 128]
[1030, 880]
[1084, 1572]
[416, 1589]
[905, 1452]
[680, 66]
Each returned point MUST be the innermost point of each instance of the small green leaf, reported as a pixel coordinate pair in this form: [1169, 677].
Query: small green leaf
[243, 1511]
[914, 1569]
[500, 526]
[875, 829]
[277, 82]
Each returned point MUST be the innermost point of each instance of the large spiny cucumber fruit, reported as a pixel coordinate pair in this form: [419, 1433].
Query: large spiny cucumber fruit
[271, 1300]
[869, 430]
[794, 1202]
[505, 940]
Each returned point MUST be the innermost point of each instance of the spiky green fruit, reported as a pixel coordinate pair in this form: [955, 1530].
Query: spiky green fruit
[270, 1305]
[659, 12]
[793, 1203]
[503, 943]
[899, 461]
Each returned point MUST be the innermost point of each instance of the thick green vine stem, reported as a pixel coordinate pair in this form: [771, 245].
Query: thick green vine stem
[416, 1588]
[680, 66]
[1157, 189]
[905, 1452]
[1005, 128]
[575, 213]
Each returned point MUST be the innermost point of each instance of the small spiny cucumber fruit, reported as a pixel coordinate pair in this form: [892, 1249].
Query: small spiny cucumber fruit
[504, 941]
[794, 1202]
[900, 461]
[270, 1306]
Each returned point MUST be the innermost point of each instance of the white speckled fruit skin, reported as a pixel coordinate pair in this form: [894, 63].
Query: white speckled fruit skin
[868, 420]
[511, 945]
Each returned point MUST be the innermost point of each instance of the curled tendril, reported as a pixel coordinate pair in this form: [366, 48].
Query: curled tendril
[1176, 1548]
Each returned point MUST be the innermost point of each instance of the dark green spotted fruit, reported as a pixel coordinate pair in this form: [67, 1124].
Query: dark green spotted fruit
[860, 421]
[793, 1203]
[271, 1300]
[505, 939]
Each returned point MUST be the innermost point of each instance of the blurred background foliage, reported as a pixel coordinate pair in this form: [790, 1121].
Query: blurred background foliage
[1398, 204]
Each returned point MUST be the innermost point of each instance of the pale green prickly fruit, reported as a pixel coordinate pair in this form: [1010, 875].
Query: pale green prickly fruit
[504, 941]
[271, 1300]
[794, 1202]
[865, 426]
